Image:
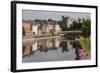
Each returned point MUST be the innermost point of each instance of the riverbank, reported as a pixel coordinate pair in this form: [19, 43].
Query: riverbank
[26, 39]
[86, 44]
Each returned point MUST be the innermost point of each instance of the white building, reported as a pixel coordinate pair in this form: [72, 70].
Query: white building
[34, 29]
[57, 28]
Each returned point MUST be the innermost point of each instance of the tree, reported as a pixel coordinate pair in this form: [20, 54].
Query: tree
[86, 28]
[76, 26]
[38, 21]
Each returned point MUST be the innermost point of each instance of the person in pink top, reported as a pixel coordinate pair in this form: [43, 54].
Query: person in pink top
[80, 53]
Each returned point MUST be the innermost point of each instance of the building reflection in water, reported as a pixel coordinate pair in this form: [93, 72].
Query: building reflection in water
[27, 50]
[55, 47]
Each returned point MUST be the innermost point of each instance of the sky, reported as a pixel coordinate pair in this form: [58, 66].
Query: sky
[45, 15]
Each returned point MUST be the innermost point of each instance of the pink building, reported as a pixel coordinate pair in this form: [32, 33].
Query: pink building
[27, 28]
[50, 28]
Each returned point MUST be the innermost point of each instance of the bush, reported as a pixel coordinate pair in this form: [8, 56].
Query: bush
[86, 44]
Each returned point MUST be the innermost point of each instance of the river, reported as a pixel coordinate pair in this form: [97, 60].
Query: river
[52, 49]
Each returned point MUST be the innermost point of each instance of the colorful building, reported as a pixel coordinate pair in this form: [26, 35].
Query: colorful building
[27, 28]
[30, 29]
[35, 29]
[57, 28]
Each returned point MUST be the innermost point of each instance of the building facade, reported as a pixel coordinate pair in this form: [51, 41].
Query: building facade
[27, 28]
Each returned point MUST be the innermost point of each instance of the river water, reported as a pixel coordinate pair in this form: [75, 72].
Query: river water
[52, 49]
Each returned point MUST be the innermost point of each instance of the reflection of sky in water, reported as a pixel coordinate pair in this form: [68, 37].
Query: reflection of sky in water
[51, 55]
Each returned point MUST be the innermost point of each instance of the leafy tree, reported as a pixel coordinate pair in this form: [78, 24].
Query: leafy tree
[38, 21]
[76, 26]
[86, 28]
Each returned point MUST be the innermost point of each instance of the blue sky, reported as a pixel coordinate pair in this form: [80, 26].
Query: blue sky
[31, 15]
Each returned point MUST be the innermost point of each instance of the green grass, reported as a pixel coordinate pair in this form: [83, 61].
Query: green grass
[86, 44]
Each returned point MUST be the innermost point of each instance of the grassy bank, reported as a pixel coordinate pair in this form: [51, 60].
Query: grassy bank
[86, 44]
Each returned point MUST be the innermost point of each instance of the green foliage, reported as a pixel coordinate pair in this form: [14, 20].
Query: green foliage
[86, 43]
[75, 26]
[37, 20]
[86, 28]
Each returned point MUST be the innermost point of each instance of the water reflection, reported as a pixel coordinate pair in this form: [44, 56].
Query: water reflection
[55, 49]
